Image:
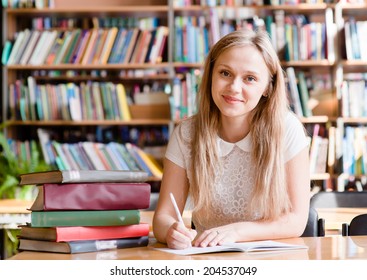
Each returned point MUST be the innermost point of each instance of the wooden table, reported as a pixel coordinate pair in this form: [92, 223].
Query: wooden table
[334, 247]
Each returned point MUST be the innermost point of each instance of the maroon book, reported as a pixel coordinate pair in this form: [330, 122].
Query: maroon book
[92, 196]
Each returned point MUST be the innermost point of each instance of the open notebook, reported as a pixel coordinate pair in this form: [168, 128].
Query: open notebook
[247, 247]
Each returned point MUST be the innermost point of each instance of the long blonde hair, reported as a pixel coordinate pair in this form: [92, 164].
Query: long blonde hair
[270, 196]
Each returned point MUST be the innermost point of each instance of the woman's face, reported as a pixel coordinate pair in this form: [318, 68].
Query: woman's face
[240, 78]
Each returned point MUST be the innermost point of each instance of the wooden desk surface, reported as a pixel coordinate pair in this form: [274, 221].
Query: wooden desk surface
[319, 248]
[333, 247]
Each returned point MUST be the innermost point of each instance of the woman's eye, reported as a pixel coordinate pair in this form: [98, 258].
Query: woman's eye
[250, 79]
[224, 73]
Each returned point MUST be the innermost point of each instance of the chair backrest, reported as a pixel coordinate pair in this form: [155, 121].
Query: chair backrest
[339, 199]
[358, 225]
[314, 226]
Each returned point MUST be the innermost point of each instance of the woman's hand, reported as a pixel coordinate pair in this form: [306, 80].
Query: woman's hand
[179, 236]
[214, 237]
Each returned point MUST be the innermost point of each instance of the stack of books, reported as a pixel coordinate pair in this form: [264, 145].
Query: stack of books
[78, 211]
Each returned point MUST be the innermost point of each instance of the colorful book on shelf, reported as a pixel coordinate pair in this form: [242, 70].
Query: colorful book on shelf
[76, 35]
[304, 94]
[83, 246]
[123, 103]
[16, 47]
[75, 233]
[137, 158]
[107, 48]
[23, 45]
[82, 176]
[151, 163]
[85, 218]
[92, 196]
[30, 47]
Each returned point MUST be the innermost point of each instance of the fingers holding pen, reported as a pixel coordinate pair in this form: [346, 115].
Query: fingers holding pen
[179, 236]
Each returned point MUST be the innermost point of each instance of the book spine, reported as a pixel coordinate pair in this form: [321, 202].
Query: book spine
[96, 196]
[100, 245]
[99, 233]
[85, 218]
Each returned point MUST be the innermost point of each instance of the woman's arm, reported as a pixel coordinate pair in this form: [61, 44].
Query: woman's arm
[166, 228]
[289, 225]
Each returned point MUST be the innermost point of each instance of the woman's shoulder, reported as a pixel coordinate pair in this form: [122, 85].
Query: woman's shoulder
[292, 120]
[186, 127]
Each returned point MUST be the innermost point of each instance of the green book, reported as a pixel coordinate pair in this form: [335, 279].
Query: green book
[85, 218]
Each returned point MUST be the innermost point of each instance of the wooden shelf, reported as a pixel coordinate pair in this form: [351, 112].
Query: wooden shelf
[138, 122]
[89, 66]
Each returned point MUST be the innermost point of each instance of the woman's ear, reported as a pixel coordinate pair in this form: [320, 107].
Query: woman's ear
[269, 89]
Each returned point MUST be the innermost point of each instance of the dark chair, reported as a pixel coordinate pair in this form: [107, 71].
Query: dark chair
[358, 226]
[314, 226]
[339, 199]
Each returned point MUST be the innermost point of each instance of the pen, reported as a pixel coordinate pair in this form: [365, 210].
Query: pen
[176, 208]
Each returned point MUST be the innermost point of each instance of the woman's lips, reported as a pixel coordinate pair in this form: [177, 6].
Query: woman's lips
[231, 99]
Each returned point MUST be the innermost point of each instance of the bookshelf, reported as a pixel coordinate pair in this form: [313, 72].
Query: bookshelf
[350, 83]
[106, 86]
[322, 64]
[318, 68]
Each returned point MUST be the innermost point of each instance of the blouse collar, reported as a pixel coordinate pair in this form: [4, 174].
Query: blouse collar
[225, 148]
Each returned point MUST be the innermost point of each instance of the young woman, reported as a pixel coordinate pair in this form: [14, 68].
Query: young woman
[242, 159]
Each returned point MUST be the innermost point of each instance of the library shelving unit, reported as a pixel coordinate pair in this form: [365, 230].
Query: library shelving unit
[351, 82]
[23, 114]
[319, 62]
[212, 21]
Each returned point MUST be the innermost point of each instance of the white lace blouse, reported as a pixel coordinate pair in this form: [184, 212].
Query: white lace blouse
[234, 182]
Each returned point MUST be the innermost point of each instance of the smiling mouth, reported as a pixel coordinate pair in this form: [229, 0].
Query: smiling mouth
[231, 99]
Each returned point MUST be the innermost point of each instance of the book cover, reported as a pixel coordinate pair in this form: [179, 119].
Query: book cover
[78, 176]
[6, 52]
[23, 45]
[293, 91]
[122, 100]
[85, 218]
[59, 234]
[137, 158]
[304, 94]
[117, 45]
[92, 196]
[83, 246]
[16, 47]
[150, 162]
[246, 247]
[110, 40]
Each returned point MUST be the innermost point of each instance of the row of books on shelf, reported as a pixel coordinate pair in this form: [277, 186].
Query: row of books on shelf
[192, 39]
[68, 101]
[295, 36]
[183, 99]
[78, 211]
[86, 46]
[319, 150]
[100, 156]
[354, 150]
[354, 97]
[355, 39]
[41, 23]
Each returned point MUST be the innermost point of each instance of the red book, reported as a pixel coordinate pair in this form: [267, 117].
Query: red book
[75, 233]
[92, 196]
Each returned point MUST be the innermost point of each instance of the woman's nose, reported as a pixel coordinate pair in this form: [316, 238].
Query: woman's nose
[236, 84]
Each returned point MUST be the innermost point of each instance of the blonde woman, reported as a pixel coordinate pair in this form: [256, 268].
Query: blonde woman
[242, 159]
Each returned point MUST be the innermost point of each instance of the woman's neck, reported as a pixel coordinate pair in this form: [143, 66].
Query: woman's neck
[233, 130]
